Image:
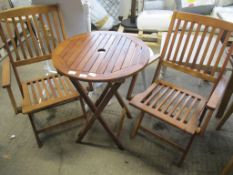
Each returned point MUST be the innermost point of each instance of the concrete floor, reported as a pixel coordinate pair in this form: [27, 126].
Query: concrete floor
[98, 155]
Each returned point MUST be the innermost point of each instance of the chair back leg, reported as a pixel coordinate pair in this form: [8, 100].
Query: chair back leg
[225, 117]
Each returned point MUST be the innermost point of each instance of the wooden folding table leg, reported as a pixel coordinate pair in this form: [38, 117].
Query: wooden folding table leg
[103, 94]
[97, 110]
[92, 120]
[143, 73]
[123, 112]
[138, 123]
[90, 86]
[131, 87]
[83, 109]
[123, 105]
[39, 143]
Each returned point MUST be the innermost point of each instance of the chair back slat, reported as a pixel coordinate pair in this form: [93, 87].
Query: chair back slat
[39, 35]
[200, 45]
[213, 30]
[45, 34]
[56, 23]
[220, 54]
[173, 39]
[170, 29]
[25, 37]
[51, 30]
[214, 49]
[18, 39]
[186, 43]
[193, 45]
[10, 34]
[33, 37]
[180, 39]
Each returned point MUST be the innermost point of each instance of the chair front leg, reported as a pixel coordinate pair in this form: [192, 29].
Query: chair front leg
[186, 150]
[204, 120]
[137, 125]
[39, 143]
[123, 105]
[17, 109]
[225, 117]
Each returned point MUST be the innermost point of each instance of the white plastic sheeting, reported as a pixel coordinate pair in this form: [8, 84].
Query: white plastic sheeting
[86, 9]
[154, 20]
[113, 9]
[73, 14]
[99, 16]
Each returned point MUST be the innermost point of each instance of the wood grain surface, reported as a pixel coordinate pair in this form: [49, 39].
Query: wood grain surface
[101, 56]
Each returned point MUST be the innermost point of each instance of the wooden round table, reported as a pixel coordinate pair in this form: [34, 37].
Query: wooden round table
[101, 57]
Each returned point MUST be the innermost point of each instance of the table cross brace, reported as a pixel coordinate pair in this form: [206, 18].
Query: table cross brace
[98, 107]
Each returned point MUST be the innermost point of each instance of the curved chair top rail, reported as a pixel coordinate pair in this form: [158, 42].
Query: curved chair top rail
[28, 10]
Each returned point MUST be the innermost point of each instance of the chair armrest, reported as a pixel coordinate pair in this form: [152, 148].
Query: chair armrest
[218, 93]
[154, 58]
[6, 73]
[6, 83]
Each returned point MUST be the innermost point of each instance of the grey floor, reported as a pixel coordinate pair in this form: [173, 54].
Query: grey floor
[98, 155]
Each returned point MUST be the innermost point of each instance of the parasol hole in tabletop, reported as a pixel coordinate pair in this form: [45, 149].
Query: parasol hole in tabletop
[102, 50]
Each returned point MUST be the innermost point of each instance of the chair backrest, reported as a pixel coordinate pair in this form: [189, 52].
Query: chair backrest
[30, 34]
[193, 45]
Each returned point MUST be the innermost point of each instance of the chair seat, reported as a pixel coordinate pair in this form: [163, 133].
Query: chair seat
[177, 106]
[46, 92]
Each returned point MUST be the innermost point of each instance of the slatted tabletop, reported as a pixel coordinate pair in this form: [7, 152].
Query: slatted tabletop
[101, 56]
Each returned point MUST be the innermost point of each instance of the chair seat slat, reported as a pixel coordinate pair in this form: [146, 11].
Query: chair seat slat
[64, 86]
[178, 115]
[40, 92]
[160, 95]
[175, 96]
[168, 95]
[51, 87]
[34, 95]
[57, 86]
[188, 112]
[154, 93]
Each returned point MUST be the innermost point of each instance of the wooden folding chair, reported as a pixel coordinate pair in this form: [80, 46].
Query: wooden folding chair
[39, 93]
[193, 46]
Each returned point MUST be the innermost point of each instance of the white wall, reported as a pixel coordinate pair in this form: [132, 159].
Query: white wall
[73, 14]
[125, 6]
